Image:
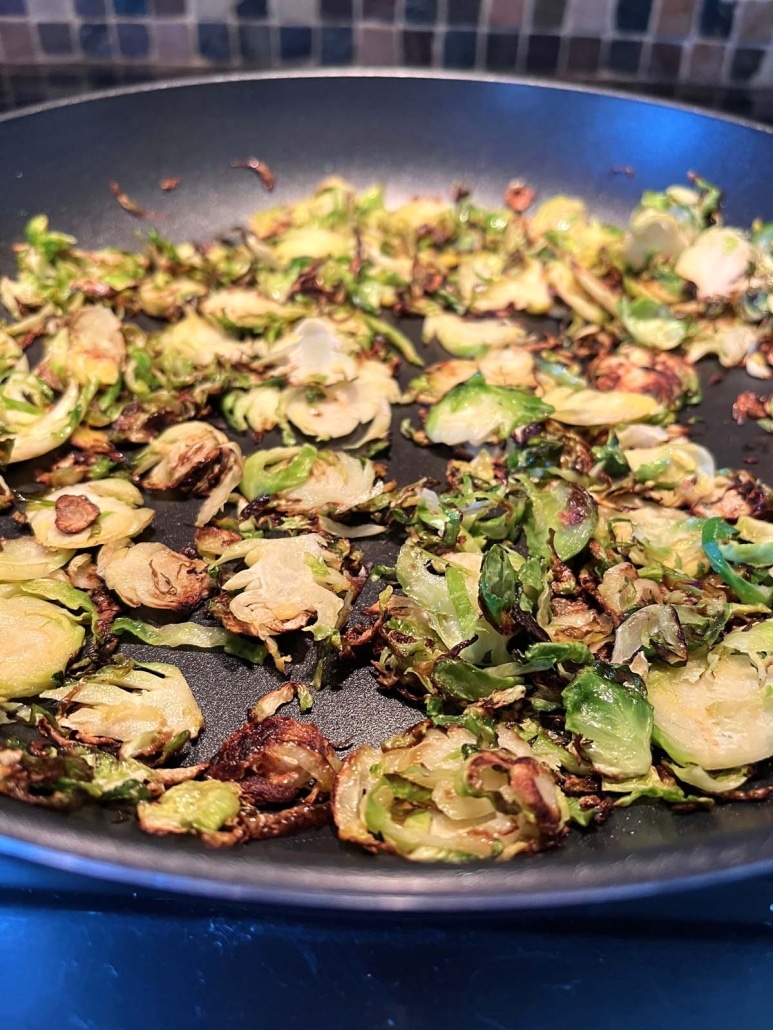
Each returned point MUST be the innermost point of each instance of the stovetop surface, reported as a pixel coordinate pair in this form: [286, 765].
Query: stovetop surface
[89, 955]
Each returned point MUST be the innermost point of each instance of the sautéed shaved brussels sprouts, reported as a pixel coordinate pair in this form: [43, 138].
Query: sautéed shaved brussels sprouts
[578, 615]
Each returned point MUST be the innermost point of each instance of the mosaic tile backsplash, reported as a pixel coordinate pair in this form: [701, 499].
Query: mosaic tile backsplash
[714, 52]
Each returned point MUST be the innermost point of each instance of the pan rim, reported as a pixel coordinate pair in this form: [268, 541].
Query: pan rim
[364, 72]
[430, 888]
[426, 889]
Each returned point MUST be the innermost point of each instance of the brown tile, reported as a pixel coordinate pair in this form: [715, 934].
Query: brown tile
[755, 21]
[665, 61]
[379, 10]
[589, 17]
[417, 48]
[506, 14]
[706, 63]
[582, 55]
[376, 46]
[16, 42]
[168, 8]
[675, 19]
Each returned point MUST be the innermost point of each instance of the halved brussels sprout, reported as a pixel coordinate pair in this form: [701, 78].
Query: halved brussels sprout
[146, 707]
[41, 430]
[476, 412]
[446, 590]
[652, 324]
[680, 472]
[717, 262]
[289, 583]
[507, 366]
[153, 575]
[196, 458]
[23, 558]
[89, 348]
[312, 242]
[256, 409]
[613, 720]
[313, 353]
[89, 514]
[595, 408]
[245, 309]
[195, 343]
[525, 289]
[559, 214]
[717, 710]
[199, 805]
[655, 235]
[655, 536]
[469, 338]
[443, 794]
[667, 377]
[732, 342]
[327, 413]
[304, 480]
[38, 639]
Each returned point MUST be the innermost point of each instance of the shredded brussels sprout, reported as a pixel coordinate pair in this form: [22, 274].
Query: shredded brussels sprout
[575, 592]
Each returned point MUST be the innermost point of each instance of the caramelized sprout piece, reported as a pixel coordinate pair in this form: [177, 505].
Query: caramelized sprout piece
[38, 640]
[145, 707]
[443, 794]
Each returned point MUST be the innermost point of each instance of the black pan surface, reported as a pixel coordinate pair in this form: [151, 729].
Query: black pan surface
[416, 134]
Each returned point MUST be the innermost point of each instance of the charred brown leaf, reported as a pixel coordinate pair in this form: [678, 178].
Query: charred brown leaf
[74, 513]
[131, 206]
[260, 168]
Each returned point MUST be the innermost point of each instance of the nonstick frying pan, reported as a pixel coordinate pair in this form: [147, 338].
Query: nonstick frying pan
[417, 134]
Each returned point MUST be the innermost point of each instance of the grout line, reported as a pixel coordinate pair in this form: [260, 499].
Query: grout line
[523, 36]
[484, 27]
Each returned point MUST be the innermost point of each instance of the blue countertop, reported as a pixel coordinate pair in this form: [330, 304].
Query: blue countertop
[86, 955]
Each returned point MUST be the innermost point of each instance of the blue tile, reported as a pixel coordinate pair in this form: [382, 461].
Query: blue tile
[633, 15]
[624, 56]
[336, 10]
[747, 61]
[463, 12]
[378, 10]
[55, 38]
[294, 42]
[252, 9]
[133, 39]
[459, 49]
[130, 8]
[13, 7]
[421, 11]
[337, 46]
[90, 8]
[255, 44]
[542, 54]
[717, 18]
[94, 40]
[501, 51]
[214, 42]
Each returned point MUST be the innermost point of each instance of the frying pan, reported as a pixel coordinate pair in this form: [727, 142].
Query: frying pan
[416, 133]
